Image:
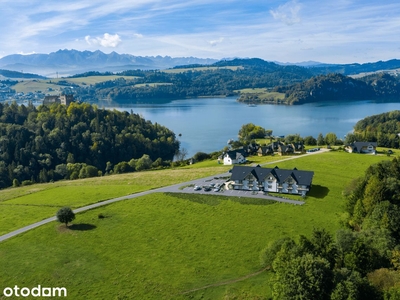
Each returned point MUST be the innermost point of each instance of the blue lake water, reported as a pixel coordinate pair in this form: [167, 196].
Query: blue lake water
[206, 124]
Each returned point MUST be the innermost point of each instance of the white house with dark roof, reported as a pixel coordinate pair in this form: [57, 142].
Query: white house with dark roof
[362, 147]
[273, 180]
[233, 157]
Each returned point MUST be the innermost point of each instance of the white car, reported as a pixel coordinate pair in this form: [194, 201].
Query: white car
[197, 188]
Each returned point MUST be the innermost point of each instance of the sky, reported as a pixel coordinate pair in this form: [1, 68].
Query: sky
[340, 31]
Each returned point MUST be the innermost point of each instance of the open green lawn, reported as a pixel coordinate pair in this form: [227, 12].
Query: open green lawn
[263, 93]
[31, 86]
[21, 204]
[43, 84]
[160, 245]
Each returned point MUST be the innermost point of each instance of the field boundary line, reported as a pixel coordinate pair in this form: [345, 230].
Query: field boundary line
[226, 282]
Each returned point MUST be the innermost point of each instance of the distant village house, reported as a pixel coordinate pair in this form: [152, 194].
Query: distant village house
[362, 147]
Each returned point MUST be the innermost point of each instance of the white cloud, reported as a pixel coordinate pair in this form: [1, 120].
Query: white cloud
[287, 13]
[107, 40]
[138, 35]
[216, 42]
[26, 53]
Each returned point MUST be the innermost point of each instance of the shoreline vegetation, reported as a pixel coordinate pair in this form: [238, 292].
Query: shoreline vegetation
[253, 81]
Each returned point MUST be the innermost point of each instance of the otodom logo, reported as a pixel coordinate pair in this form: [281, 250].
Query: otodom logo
[37, 291]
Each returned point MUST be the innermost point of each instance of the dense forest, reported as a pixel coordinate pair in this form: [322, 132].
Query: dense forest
[40, 144]
[342, 88]
[362, 261]
[219, 80]
[383, 129]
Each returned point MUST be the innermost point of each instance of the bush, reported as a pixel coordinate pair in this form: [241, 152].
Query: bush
[27, 182]
[200, 156]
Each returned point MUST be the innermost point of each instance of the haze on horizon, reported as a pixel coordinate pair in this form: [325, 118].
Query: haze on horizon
[341, 31]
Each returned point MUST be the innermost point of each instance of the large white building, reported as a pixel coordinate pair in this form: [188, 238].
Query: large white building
[271, 180]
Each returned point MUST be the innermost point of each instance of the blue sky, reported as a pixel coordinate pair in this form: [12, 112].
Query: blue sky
[340, 31]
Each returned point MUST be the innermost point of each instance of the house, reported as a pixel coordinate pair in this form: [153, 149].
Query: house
[60, 99]
[273, 180]
[362, 147]
[275, 145]
[298, 147]
[285, 149]
[233, 157]
[265, 150]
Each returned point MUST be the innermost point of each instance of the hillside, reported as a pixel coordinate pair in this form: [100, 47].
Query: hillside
[49, 143]
[167, 243]
[19, 75]
[219, 79]
[337, 87]
[382, 128]
[353, 69]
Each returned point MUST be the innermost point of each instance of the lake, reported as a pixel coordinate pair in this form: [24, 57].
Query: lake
[206, 124]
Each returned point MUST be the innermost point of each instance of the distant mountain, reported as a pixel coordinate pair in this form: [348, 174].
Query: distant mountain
[353, 69]
[19, 75]
[69, 62]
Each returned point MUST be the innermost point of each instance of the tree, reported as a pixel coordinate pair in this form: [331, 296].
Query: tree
[144, 163]
[250, 132]
[302, 277]
[181, 154]
[320, 140]
[330, 138]
[65, 215]
[310, 141]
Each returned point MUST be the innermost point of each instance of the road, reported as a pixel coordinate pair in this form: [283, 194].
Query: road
[184, 187]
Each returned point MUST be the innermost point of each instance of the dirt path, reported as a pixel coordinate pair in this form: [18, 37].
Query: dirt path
[225, 282]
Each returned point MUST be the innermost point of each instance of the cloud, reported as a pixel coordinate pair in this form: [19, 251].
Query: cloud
[287, 13]
[26, 53]
[107, 40]
[138, 35]
[214, 43]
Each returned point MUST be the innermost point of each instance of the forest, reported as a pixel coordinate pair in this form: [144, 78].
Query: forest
[362, 260]
[382, 128]
[298, 84]
[337, 87]
[217, 81]
[46, 143]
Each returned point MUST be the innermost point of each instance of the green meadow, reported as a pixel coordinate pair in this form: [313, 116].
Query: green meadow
[262, 94]
[43, 85]
[165, 246]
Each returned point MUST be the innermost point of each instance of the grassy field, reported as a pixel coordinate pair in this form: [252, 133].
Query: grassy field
[181, 70]
[155, 84]
[44, 84]
[263, 95]
[161, 245]
[21, 206]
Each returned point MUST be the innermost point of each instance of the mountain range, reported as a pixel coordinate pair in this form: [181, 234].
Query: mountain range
[69, 62]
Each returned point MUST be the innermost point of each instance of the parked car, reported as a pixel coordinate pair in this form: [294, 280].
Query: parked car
[197, 188]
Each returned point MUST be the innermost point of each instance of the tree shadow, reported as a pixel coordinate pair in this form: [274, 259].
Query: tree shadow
[82, 227]
[318, 191]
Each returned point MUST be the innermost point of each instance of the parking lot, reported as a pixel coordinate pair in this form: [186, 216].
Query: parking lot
[188, 187]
